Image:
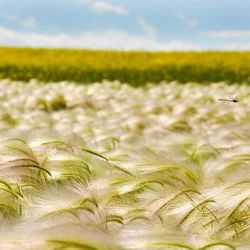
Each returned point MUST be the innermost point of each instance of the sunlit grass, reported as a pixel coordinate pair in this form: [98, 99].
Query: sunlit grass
[107, 166]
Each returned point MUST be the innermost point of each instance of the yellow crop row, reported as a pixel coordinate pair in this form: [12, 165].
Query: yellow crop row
[132, 67]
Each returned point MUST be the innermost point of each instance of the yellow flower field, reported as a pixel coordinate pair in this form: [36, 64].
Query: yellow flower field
[136, 68]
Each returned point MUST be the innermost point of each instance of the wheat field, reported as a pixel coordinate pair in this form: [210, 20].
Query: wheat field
[107, 166]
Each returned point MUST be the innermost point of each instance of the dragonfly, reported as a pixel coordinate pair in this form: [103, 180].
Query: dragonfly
[231, 99]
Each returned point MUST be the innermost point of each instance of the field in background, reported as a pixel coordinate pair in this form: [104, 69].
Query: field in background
[112, 167]
[136, 68]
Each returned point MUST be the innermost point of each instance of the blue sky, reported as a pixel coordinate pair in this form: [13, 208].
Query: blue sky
[127, 24]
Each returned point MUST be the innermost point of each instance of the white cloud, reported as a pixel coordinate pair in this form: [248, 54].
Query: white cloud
[27, 22]
[227, 34]
[237, 46]
[95, 40]
[103, 7]
[150, 30]
[186, 20]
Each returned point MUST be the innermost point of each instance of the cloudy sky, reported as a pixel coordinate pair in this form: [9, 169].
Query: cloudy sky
[127, 24]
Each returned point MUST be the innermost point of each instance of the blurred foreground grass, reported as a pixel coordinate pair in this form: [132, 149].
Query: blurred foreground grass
[136, 68]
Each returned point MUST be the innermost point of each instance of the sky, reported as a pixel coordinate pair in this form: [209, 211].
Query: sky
[126, 24]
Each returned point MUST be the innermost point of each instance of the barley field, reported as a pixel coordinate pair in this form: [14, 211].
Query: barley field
[107, 166]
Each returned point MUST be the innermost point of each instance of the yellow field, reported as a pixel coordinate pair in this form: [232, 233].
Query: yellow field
[132, 67]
